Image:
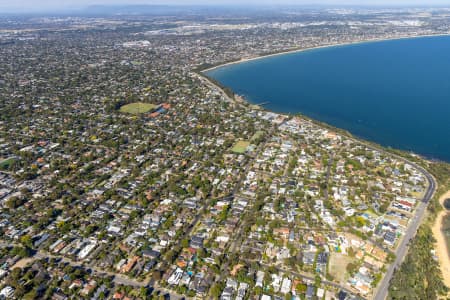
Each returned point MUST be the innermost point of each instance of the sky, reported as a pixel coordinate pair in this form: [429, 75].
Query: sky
[41, 5]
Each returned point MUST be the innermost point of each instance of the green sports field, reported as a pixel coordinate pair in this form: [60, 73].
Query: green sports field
[240, 147]
[137, 108]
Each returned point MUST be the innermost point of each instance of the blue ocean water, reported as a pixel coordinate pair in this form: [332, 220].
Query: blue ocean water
[395, 93]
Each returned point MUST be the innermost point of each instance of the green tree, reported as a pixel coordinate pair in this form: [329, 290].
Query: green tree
[215, 291]
[26, 241]
[301, 288]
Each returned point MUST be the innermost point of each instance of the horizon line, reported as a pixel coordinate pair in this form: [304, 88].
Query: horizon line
[18, 10]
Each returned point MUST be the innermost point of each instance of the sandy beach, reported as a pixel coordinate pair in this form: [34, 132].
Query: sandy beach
[441, 246]
[288, 51]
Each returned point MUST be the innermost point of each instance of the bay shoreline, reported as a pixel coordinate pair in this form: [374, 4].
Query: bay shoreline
[405, 155]
[298, 50]
[203, 72]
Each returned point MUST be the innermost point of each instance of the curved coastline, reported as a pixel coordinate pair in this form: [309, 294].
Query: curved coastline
[297, 50]
[380, 292]
[231, 94]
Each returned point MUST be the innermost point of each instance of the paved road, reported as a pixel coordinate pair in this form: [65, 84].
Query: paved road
[311, 278]
[403, 247]
[238, 236]
[382, 291]
[327, 177]
[118, 278]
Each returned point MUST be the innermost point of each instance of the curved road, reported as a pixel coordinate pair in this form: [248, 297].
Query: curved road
[382, 290]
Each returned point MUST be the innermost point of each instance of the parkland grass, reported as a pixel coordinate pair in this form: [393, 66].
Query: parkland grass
[240, 147]
[137, 108]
